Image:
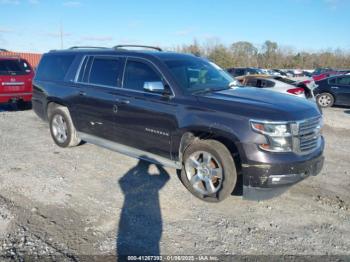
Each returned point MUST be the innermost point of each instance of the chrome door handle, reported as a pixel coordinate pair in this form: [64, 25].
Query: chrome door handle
[334, 87]
[115, 109]
[82, 93]
[122, 101]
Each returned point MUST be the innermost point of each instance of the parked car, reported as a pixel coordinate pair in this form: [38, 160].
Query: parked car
[329, 74]
[277, 84]
[281, 72]
[333, 91]
[16, 77]
[180, 111]
[307, 73]
[321, 70]
[241, 71]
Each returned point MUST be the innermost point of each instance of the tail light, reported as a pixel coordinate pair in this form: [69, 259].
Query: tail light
[296, 91]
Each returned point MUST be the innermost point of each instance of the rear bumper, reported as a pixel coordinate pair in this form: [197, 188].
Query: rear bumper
[5, 98]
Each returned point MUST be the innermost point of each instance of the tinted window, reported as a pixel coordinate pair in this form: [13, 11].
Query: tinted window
[137, 73]
[239, 72]
[14, 67]
[344, 80]
[54, 67]
[251, 82]
[332, 81]
[105, 71]
[268, 83]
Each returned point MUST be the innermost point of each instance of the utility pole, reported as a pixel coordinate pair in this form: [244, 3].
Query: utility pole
[61, 34]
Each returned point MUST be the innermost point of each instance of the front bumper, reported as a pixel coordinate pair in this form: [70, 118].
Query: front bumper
[270, 178]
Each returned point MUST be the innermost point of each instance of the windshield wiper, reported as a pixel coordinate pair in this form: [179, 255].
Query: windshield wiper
[202, 91]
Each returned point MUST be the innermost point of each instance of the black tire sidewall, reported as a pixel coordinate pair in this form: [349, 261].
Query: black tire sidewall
[59, 111]
[325, 94]
[222, 154]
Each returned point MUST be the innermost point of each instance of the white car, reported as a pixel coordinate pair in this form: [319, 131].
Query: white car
[280, 84]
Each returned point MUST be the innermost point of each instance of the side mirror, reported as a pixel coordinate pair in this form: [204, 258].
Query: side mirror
[154, 87]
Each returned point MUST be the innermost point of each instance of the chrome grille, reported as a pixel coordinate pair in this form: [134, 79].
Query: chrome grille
[309, 134]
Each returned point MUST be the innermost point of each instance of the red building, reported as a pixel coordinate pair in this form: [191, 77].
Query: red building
[32, 58]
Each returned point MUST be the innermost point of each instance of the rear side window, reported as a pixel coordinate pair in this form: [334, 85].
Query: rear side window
[14, 67]
[332, 81]
[54, 67]
[344, 80]
[251, 82]
[266, 83]
[105, 71]
[137, 73]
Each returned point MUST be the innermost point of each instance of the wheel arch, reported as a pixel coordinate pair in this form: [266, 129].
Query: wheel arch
[53, 103]
[228, 139]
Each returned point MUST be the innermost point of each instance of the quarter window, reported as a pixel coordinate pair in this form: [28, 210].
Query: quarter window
[105, 71]
[137, 73]
[332, 81]
[54, 67]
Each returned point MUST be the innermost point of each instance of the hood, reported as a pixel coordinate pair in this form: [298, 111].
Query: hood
[262, 104]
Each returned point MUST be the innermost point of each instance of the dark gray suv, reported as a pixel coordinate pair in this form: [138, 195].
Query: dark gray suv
[180, 111]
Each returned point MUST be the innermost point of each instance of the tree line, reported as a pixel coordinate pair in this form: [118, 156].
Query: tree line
[269, 55]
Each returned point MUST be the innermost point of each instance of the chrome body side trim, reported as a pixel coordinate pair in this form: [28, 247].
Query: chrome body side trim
[13, 83]
[132, 152]
[16, 94]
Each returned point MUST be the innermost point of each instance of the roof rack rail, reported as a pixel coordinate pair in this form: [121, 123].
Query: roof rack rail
[87, 47]
[142, 46]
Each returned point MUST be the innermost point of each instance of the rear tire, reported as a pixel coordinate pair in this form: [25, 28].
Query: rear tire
[209, 171]
[62, 129]
[325, 100]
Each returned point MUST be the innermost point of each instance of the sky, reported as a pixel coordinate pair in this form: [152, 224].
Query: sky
[305, 25]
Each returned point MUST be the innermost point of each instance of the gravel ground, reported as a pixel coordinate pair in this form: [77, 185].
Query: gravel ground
[84, 201]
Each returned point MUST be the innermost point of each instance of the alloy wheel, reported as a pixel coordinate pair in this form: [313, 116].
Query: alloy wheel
[59, 128]
[204, 172]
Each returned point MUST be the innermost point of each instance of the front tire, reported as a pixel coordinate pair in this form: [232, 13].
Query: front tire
[62, 129]
[325, 100]
[209, 171]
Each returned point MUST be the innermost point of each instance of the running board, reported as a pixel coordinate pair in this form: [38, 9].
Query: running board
[129, 151]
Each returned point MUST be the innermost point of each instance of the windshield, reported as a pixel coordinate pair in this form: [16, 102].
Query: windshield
[14, 67]
[196, 75]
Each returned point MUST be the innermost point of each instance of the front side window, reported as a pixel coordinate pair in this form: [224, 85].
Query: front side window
[137, 73]
[105, 71]
[194, 75]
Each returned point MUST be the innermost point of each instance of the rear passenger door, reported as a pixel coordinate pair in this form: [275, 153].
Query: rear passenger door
[342, 90]
[145, 120]
[97, 85]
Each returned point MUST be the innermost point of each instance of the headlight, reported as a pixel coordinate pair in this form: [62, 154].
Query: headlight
[278, 136]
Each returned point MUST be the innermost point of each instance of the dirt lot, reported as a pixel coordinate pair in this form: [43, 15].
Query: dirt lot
[91, 201]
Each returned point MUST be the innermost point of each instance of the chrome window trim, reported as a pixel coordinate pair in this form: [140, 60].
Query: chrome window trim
[123, 74]
[80, 68]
